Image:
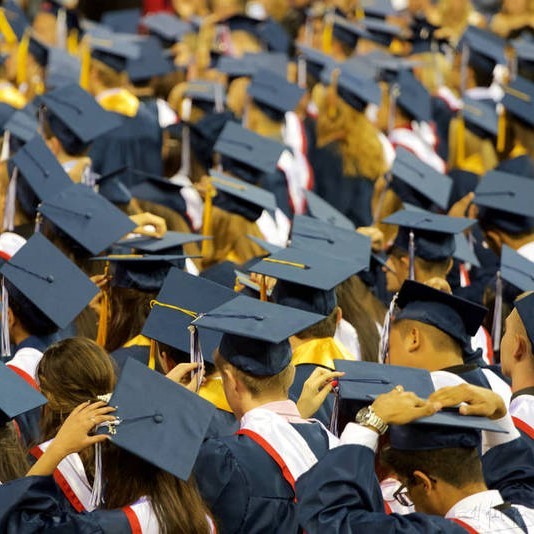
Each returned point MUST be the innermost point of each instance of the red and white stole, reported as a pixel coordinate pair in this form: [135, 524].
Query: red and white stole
[522, 412]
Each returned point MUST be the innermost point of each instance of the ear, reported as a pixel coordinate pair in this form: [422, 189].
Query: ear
[494, 238]
[230, 380]
[423, 480]
[449, 266]
[413, 340]
[520, 347]
[166, 363]
[11, 319]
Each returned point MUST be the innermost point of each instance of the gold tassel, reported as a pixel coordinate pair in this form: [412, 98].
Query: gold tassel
[460, 141]
[501, 129]
[328, 32]
[263, 289]
[22, 60]
[72, 42]
[207, 244]
[85, 58]
[10, 37]
[152, 355]
[103, 319]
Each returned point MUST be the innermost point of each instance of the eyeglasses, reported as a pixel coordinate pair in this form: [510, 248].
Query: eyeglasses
[402, 495]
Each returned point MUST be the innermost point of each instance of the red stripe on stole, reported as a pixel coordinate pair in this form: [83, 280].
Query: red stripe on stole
[24, 375]
[133, 520]
[465, 526]
[524, 427]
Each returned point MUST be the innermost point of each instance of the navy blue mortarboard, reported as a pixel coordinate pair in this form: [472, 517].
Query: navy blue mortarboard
[316, 61]
[269, 247]
[464, 251]
[524, 55]
[76, 118]
[274, 94]
[39, 50]
[16, 395]
[519, 99]
[380, 32]
[525, 309]
[480, 117]
[385, 66]
[379, 9]
[250, 63]
[238, 196]
[63, 69]
[255, 333]
[418, 183]
[205, 94]
[248, 148]
[322, 210]
[150, 63]
[167, 27]
[49, 280]
[434, 234]
[505, 201]
[273, 36]
[516, 269]
[110, 187]
[170, 243]
[154, 413]
[87, 217]
[16, 17]
[347, 32]
[204, 134]
[122, 20]
[413, 98]
[114, 52]
[41, 170]
[22, 125]
[457, 317]
[486, 49]
[182, 298]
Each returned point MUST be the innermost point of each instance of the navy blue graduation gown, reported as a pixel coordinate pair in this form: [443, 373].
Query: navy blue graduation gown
[141, 353]
[223, 424]
[34, 505]
[442, 115]
[244, 487]
[136, 144]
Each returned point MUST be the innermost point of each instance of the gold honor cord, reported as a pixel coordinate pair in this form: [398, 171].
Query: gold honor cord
[6, 30]
[105, 312]
[517, 94]
[175, 308]
[228, 183]
[207, 246]
[288, 263]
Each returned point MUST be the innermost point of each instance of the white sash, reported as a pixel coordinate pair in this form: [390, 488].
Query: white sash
[141, 517]
[26, 360]
[412, 142]
[522, 408]
[498, 385]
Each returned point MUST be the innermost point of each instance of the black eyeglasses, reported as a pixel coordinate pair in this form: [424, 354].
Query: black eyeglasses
[402, 495]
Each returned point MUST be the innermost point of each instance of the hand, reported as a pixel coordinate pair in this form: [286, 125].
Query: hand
[101, 281]
[376, 235]
[149, 219]
[464, 207]
[478, 401]
[315, 390]
[181, 374]
[399, 407]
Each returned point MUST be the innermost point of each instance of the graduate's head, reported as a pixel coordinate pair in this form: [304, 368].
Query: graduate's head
[517, 358]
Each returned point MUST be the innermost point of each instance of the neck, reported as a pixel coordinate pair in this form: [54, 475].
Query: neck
[442, 360]
[522, 375]
[453, 496]
[517, 242]
[256, 402]
[296, 342]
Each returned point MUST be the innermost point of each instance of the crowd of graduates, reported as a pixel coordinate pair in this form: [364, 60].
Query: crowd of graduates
[267, 266]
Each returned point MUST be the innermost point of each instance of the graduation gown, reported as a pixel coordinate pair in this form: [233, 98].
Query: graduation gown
[137, 348]
[224, 422]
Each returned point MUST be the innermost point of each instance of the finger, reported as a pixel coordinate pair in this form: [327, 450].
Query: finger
[80, 407]
[99, 419]
[476, 409]
[323, 393]
[98, 438]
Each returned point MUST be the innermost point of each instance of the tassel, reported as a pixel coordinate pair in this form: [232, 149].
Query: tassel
[96, 492]
[61, 29]
[22, 60]
[496, 328]
[328, 32]
[394, 94]
[207, 244]
[263, 289]
[460, 142]
[72, 42]
[384, 337]
[5, 341]
[11, 199]
[102, 333]
[5, 153]
[464, 69]
[152, 355]
[185, 164]
[10, 37]
[411, 255]
[501, 128]
[38, 223]
[219, 99]
[334, 418]
[85, 58]
[195, 352]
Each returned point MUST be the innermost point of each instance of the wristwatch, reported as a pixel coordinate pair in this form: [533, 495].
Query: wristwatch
[367, 417]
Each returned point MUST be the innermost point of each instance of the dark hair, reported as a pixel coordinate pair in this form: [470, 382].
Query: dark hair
[440, 463]
[33, 320]
[324, 328]
[13, 459]
[72, 144]
[176, 355]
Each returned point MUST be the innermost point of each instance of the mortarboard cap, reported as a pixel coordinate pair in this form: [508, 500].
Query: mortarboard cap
[122, 20]
[16, 395]
[182, 298]
[39, 50]
[316, 61]
[238, 196]
[110, 187]
[114, 52]
[49, 280]
[464, 252]
[167, 27]
[273, 36]
[524, 56]
[15, 17]
[379, 9]
[322, 210]
[480, 117]
[274, 94]
[255, 333]
[269, 247]
[419, 183]
[516, 269]
[380, 32]
[433, 233]
[63, 69]
[525, 309]
[248, 148]
[87, 217]
[518, 99]
[505, 201]
[486, 49]
[22, 125]
[386, 67]
[250, 63]
[347, 32]
[76, 118]
[413, 98]
[150, 63]
[152, 419]
[170, 243]
[205, 94]
[40, 168]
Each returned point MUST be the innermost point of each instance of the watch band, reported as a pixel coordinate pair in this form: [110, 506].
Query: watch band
[367, 417]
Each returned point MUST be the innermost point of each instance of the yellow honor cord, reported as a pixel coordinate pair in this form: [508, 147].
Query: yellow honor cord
[207, 244]
[263, 289]
[460, 141]
[328, 31]
[22, 59]
[152, 355]
[288, 263]
[105, 309]
[72, 42]
[501, 128]
[191, 313]
[85, 60]
[228, 183]
[6, 30]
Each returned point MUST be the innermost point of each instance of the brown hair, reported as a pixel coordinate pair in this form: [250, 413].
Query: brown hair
[324, 328]
[13, 459]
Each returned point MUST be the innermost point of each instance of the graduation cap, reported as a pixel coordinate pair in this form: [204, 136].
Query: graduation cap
[114, 52]
[87, 217]
[16, 395]
[269, 247]
[524, 56]
[322, 210]
[40, 168]
[206, 95]
[379, 31]
[463, 251]
[255, 333]
[154, 414]
[182, 298]
[273, 36]
[433, 234]
[525, 309]
[419, 183]
[316, 61]
[485, 49]
[412, 97]
[248, 148]
[238, 196]
[151, 62]
[274, 94]
[379, 9]
[167, 27]
[49, 280]
[519, 99]
[505, 201]
[122, 20]
[457, 317]
[347, 32]
[170, 243]
[516, 269]
[250, 63]
[386, 67]
[480, 117]
[22, 125]
[16, 18]
[110, 187]
[63, 69]
[39, 50]
[76, 118]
